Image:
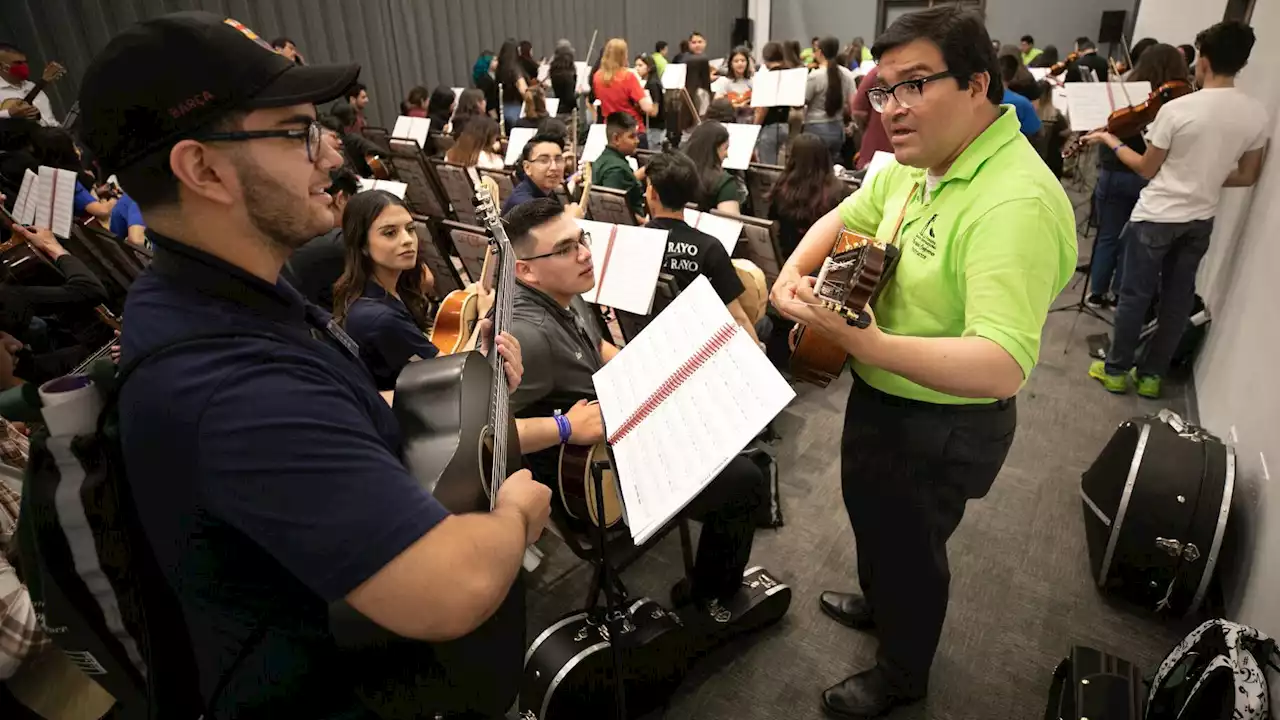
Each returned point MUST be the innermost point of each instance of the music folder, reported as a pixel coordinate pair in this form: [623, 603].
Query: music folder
[772, 88]
[674, 76]
[626, 261]
[55, 200]
[24, 206]
[727, 230]
[680, 401]
[412, 128]
[742, 144]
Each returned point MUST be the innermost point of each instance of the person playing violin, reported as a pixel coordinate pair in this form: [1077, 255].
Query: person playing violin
[1084, 58]
[1119, 185]
[1197, 145]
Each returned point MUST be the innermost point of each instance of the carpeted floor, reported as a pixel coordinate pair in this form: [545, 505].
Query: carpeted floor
[1021, 594]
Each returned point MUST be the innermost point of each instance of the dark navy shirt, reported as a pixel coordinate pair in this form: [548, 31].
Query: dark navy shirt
[387, 335]
[523, 192]
[266, 473]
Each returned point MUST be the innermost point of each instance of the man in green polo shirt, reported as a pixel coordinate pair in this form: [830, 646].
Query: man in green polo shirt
[612, 170]
[987, 239]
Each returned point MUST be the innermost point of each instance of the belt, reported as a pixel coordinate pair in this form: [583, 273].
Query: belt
[864, 389]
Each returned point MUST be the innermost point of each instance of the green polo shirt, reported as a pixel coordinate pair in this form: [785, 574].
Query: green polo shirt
[1030, 55]
[612, 170]
[984, 254]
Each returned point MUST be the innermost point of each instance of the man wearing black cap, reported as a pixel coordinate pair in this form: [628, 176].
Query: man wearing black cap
[264, 466]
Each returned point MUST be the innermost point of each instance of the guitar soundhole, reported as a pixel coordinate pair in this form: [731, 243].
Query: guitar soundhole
[485, 450]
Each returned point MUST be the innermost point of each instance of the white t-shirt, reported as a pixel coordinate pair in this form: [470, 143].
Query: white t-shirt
[1205, 133]
[19, 91]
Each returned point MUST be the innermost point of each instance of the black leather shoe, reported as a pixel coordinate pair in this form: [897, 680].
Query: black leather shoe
[847, 609]
[863, 696]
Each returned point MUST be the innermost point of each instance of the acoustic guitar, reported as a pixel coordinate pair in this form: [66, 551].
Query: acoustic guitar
[460, 443]
[454, 327]
[578, 487]
[53, 72]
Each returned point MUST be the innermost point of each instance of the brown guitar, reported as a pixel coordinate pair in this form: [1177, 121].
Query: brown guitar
[53, 72]
[578, 487]
[848, 283]
[454, 327]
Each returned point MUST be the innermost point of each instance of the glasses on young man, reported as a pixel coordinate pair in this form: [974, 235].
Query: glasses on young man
[566, 248]
[545, 160]
[908, 93]
[312, 135]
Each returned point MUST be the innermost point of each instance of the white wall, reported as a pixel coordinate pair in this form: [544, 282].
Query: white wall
[802, 19]
[1176, 22]
[1237, 376]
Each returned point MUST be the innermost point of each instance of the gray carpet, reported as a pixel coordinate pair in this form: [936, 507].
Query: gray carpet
[1021, 594]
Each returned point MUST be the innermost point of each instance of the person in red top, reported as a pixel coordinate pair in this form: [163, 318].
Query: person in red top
[873, 135]
[618, 88]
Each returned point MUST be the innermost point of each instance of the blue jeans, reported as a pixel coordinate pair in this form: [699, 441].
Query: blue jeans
[510, 115]
[1163, 256]
[832, 135]
[1116, 194]
[771, 141]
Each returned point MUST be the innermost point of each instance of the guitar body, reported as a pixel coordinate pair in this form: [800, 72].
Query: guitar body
[455, 320]
[380, 169]
[815, 359]
[578, 488]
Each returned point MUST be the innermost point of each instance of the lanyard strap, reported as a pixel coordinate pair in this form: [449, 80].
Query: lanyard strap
[893, 239]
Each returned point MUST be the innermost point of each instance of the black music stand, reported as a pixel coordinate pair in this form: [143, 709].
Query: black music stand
[613, 618]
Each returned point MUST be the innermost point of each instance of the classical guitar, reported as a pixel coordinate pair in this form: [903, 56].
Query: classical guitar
[53, 72]
[578, 487]
[849, 282]
[460, 311]
[460, 443]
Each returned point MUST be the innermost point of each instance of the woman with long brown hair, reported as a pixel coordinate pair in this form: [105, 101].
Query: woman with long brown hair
[477, 146]
[1119, 186]
[381, 298]
[806, 190]
[618, 89]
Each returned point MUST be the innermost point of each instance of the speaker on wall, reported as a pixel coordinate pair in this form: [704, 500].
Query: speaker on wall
[1112, 30]
[741, 31]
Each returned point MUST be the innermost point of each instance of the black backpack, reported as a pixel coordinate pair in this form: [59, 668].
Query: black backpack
[1218, 672]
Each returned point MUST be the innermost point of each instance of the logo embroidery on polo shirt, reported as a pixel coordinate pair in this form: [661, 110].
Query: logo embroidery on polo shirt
[924, 244]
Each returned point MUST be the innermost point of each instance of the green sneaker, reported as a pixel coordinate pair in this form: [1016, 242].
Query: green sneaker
[1113, 383]
[1148, 385]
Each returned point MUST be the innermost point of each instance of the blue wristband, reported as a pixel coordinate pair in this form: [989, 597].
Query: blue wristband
[562, 423]
[1117, 148]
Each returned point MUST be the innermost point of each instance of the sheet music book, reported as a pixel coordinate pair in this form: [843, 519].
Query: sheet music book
[879, 161]
[516, 140]
[673, 77]
[773, 88]
[680, 401]
[412, 128]
[726, 230]
[55, 199]
[395, 188]
[597, 140]
[553, 104]
[24, 206]
[1090, 104]
[742, 145]
[627, 261]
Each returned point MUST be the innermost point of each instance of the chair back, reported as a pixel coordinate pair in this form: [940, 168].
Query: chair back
[436, 258]
[113, 251]
[471, 243]
[632, 324]
[424, 194]
[644, 156]
[759, 244]
[458, 189]
[506, 180]
[378, 136]
[760, 180]
[440, 143]
[610, 205]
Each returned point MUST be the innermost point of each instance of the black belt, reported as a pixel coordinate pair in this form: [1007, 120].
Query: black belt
[864, 389]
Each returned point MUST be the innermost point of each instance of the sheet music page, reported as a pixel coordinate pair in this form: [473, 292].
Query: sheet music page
[584, 76]
[457, 94]
[879, 161]
[55, 199]
[412, 128]
[1039, 73]
[1060, 99]
[726, 230]
[742, 144]
[596, 142]
[544, 71]
[686, 440]
[719, 84]
[764, 87]
[516, 140]
[716, 64]
[866, 66]
[24, 206]
[791, 86]
[630, 279]
[673, 77]
[1090, 104]
[553, 104]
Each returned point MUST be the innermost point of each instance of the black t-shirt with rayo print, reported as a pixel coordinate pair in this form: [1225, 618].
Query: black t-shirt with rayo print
[691, 253]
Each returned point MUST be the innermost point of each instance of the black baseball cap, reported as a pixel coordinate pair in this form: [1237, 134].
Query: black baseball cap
[167, 78]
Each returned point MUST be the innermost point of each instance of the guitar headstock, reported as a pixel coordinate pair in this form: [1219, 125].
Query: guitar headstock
[53, 72]
[485, 196]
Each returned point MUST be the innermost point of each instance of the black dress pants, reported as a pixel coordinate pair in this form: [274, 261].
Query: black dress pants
[907, 469]
[726, 508]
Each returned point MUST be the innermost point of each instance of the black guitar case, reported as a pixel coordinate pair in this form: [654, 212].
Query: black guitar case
[1155, 510]
[568, 669]
[762, 601]
[1094, 685]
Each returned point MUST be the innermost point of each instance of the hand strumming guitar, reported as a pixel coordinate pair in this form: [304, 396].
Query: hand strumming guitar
[528, 497]
[42, 239]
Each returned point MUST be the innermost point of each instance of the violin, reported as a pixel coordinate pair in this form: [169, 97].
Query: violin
[1058, 67]
[1132, 120]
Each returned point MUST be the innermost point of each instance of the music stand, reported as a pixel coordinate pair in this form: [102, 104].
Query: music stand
[1081, 307]
[613, 619]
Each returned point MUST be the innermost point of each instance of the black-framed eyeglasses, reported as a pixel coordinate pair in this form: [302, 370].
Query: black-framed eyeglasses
[566, 248]
[908, 93]
[312, 136]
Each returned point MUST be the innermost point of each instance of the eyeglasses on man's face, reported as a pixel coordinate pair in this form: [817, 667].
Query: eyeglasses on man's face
[569, 248]
[311, 137]
[908, 93]
[545, 160]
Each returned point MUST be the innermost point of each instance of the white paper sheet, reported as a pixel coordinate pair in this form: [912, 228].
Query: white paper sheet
[1090, 104]
[516, 141]
[773, 88]
[543, 71]
[553, 104]
[879, 161]
[685, 440]
[412, 128]
[673, 77]
[726, 230]
[742, 144]
[597, 140]
[627, 261]
[395, 188]
[55, 200]
[866, 66]
[720, 85]
[584, 76]
[457, 95]
[24, 206]
[717, 64]
[1039, 73]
